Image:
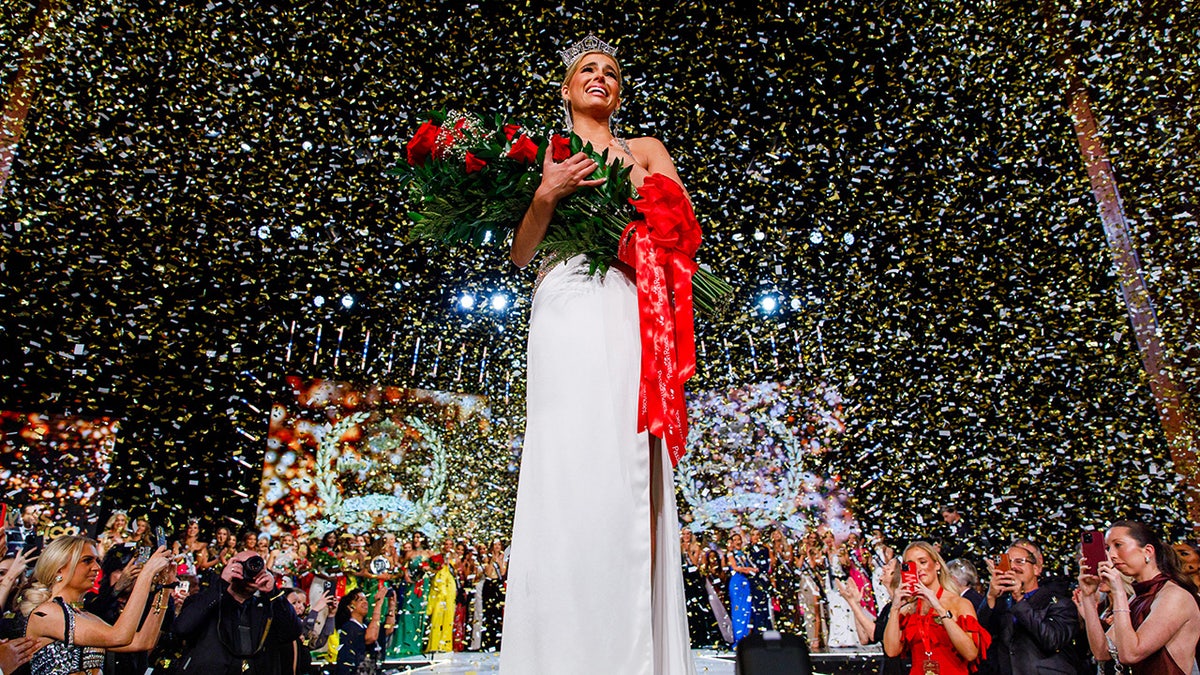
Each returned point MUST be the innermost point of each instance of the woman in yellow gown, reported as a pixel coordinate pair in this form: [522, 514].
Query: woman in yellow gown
[442, 595]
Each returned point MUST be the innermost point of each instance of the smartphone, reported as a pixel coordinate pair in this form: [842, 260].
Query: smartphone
[1092, 545]
[1004, 564]
[162, 537]
[185, 586]
[143, 555]
[908, 577]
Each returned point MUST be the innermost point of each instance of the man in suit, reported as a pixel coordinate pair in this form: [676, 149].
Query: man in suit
[1033, 625]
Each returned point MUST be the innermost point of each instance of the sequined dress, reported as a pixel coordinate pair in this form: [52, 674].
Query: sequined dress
[65, 657]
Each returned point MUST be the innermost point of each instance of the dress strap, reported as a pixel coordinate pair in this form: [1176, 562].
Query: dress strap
[68, 621]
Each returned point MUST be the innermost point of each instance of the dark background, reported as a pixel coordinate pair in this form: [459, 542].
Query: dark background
[902, 175]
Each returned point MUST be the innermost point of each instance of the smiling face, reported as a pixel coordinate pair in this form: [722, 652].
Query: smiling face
[593, 84]
[83, 576]
[1025, 566]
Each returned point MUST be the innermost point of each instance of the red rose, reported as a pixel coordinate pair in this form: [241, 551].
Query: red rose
[510, 130]
[560, 147]
[474, 164]
[670, 221]
[423, 144]
[524, 150]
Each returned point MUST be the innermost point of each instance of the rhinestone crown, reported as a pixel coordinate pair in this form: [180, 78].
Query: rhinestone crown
[591, 43]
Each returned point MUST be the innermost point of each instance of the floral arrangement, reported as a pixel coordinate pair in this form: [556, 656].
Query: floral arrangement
[471, 183]
[323, 560]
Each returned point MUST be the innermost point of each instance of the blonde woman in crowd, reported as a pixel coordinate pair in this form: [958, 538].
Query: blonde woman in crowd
[76, 640]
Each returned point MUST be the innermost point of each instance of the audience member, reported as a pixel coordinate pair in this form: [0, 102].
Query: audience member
[66, 570]
[929, 621]
[1156, 630]
[1035, 626]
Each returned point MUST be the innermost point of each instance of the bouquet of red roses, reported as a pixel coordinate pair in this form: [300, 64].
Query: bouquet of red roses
[471, 182]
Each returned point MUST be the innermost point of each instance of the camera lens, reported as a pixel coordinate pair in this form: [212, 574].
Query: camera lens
[252, 567]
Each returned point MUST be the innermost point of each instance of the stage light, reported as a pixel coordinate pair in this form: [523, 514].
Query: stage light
[499, 302]
[319, 301]
[347, 301]
[848, 238]
[796, 303]
[816, 237]
[466, 301]
[398, 285]
[768, 304]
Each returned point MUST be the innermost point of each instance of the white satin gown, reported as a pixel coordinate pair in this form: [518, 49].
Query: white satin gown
[583, 597]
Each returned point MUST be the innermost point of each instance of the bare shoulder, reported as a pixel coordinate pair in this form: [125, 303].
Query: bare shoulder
[962, 607]
[1178, 600]
[46, 620]
[647, 145]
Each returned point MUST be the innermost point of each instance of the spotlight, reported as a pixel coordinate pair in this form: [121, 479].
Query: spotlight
[499, 301]
[347, 301]
[769, 304]
[319, 301]
[466, 301]
[796, 302]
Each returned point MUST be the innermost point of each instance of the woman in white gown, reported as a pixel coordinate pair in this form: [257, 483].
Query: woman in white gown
[594, 583]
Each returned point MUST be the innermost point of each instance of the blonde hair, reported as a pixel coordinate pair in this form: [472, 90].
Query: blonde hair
[943, 574]
[63, 552]
[35, 594]
[112, 520]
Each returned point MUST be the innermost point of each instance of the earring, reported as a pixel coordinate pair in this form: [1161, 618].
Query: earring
[58, 579]
[613, 124]
[1147, 560]
[567, 115]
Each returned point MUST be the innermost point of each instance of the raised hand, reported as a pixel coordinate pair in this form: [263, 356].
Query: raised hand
[159, 561]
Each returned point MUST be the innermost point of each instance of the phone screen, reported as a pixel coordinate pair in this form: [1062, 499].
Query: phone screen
[162, 537]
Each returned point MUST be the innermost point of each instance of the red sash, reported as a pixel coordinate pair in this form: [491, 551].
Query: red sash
[660, 247]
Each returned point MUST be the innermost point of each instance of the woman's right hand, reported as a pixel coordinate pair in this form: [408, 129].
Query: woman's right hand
[157, 562]
[562, 179]
[1088, 584]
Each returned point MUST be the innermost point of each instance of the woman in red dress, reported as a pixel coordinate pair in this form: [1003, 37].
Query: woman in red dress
[931, 621]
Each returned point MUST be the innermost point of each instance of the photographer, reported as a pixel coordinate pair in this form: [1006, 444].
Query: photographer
[240, 624]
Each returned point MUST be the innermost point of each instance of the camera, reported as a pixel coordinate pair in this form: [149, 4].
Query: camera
[252, 567]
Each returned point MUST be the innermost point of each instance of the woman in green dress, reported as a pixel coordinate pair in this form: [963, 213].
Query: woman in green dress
[410, 629]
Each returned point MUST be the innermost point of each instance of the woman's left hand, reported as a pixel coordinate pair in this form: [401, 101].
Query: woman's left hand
[1109, 573]
[930, 597]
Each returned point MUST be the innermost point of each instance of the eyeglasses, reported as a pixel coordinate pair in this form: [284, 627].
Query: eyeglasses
[1022, 561]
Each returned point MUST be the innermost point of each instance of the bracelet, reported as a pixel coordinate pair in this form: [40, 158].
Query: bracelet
[1116, 611]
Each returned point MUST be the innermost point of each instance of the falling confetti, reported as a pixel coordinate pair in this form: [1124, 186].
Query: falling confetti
[201, 187]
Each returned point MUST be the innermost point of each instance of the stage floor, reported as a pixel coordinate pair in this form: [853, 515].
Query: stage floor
[708, 662]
